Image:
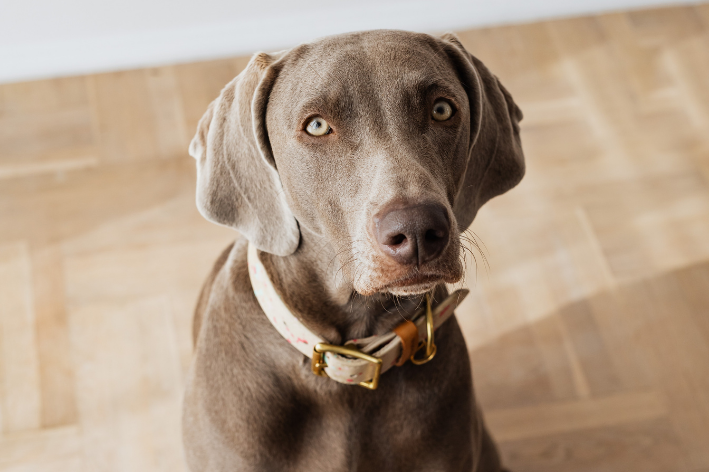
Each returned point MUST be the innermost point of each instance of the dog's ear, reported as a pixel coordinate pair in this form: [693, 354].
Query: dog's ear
[495, 159]
[237, 181]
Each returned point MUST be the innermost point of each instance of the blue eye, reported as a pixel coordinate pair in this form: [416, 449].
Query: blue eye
[442, 110]
[318, 127]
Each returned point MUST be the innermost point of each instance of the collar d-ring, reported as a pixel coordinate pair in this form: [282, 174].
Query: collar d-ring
[430, 345]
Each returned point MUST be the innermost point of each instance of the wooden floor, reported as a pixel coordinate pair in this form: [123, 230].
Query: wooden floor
[589, 334]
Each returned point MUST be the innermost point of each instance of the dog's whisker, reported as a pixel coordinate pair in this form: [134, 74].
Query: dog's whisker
[466, 237]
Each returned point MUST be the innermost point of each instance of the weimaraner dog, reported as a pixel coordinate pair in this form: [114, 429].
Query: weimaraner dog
[351, 165]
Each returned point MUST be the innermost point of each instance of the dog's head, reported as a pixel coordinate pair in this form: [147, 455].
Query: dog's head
[383, 143]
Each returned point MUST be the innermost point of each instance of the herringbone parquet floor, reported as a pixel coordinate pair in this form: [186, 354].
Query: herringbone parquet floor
[589, 334]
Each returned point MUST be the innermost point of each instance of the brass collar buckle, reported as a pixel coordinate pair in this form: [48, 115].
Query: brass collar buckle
[319, 364]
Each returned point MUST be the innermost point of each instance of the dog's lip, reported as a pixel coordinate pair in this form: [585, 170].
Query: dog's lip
[412, 280]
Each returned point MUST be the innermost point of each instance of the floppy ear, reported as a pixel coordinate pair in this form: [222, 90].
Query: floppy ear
[237, 181]
[495, 159]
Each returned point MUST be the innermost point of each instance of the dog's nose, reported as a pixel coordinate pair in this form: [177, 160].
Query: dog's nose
[413, 234]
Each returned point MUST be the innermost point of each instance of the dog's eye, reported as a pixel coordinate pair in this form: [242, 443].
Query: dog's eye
[442, 110]
[318, 127]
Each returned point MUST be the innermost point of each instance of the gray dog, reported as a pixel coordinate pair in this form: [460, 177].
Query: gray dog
[350, 165]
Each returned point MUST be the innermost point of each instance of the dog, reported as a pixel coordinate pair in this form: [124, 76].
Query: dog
[350, 165]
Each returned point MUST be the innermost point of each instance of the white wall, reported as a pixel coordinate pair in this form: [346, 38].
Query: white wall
[48, 38]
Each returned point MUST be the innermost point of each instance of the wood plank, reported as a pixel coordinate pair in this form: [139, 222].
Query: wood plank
[73, 463]
[49, 208]
[618, 328]
[129, 386]
[172, 138]
[56, 365]
[686, 379]
[642, 446]
[45, 445]
[45, 126]
[21, 399]
[520, 376]
[511, 424]
[138, 115]
[42, 96]
[590, 348]
[674, 208]
[566, 375]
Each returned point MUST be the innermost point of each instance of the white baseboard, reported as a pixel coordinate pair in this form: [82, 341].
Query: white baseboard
[271, 31]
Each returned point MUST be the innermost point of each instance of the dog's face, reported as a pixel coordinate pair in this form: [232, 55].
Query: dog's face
[370, 138]
[367, 141]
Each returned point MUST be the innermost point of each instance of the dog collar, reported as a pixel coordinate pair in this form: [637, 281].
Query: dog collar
[358, 361]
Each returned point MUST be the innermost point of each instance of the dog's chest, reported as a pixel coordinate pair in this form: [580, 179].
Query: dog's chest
[278, 416]
[296, 433]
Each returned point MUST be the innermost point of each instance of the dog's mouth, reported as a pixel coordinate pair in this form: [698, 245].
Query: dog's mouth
[413, 284]
[387, 275]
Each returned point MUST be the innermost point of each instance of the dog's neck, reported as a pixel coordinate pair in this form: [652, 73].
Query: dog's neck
[309, 282]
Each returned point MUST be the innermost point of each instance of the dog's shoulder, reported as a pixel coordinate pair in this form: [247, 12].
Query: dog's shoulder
[206, 291]
[228, 282]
